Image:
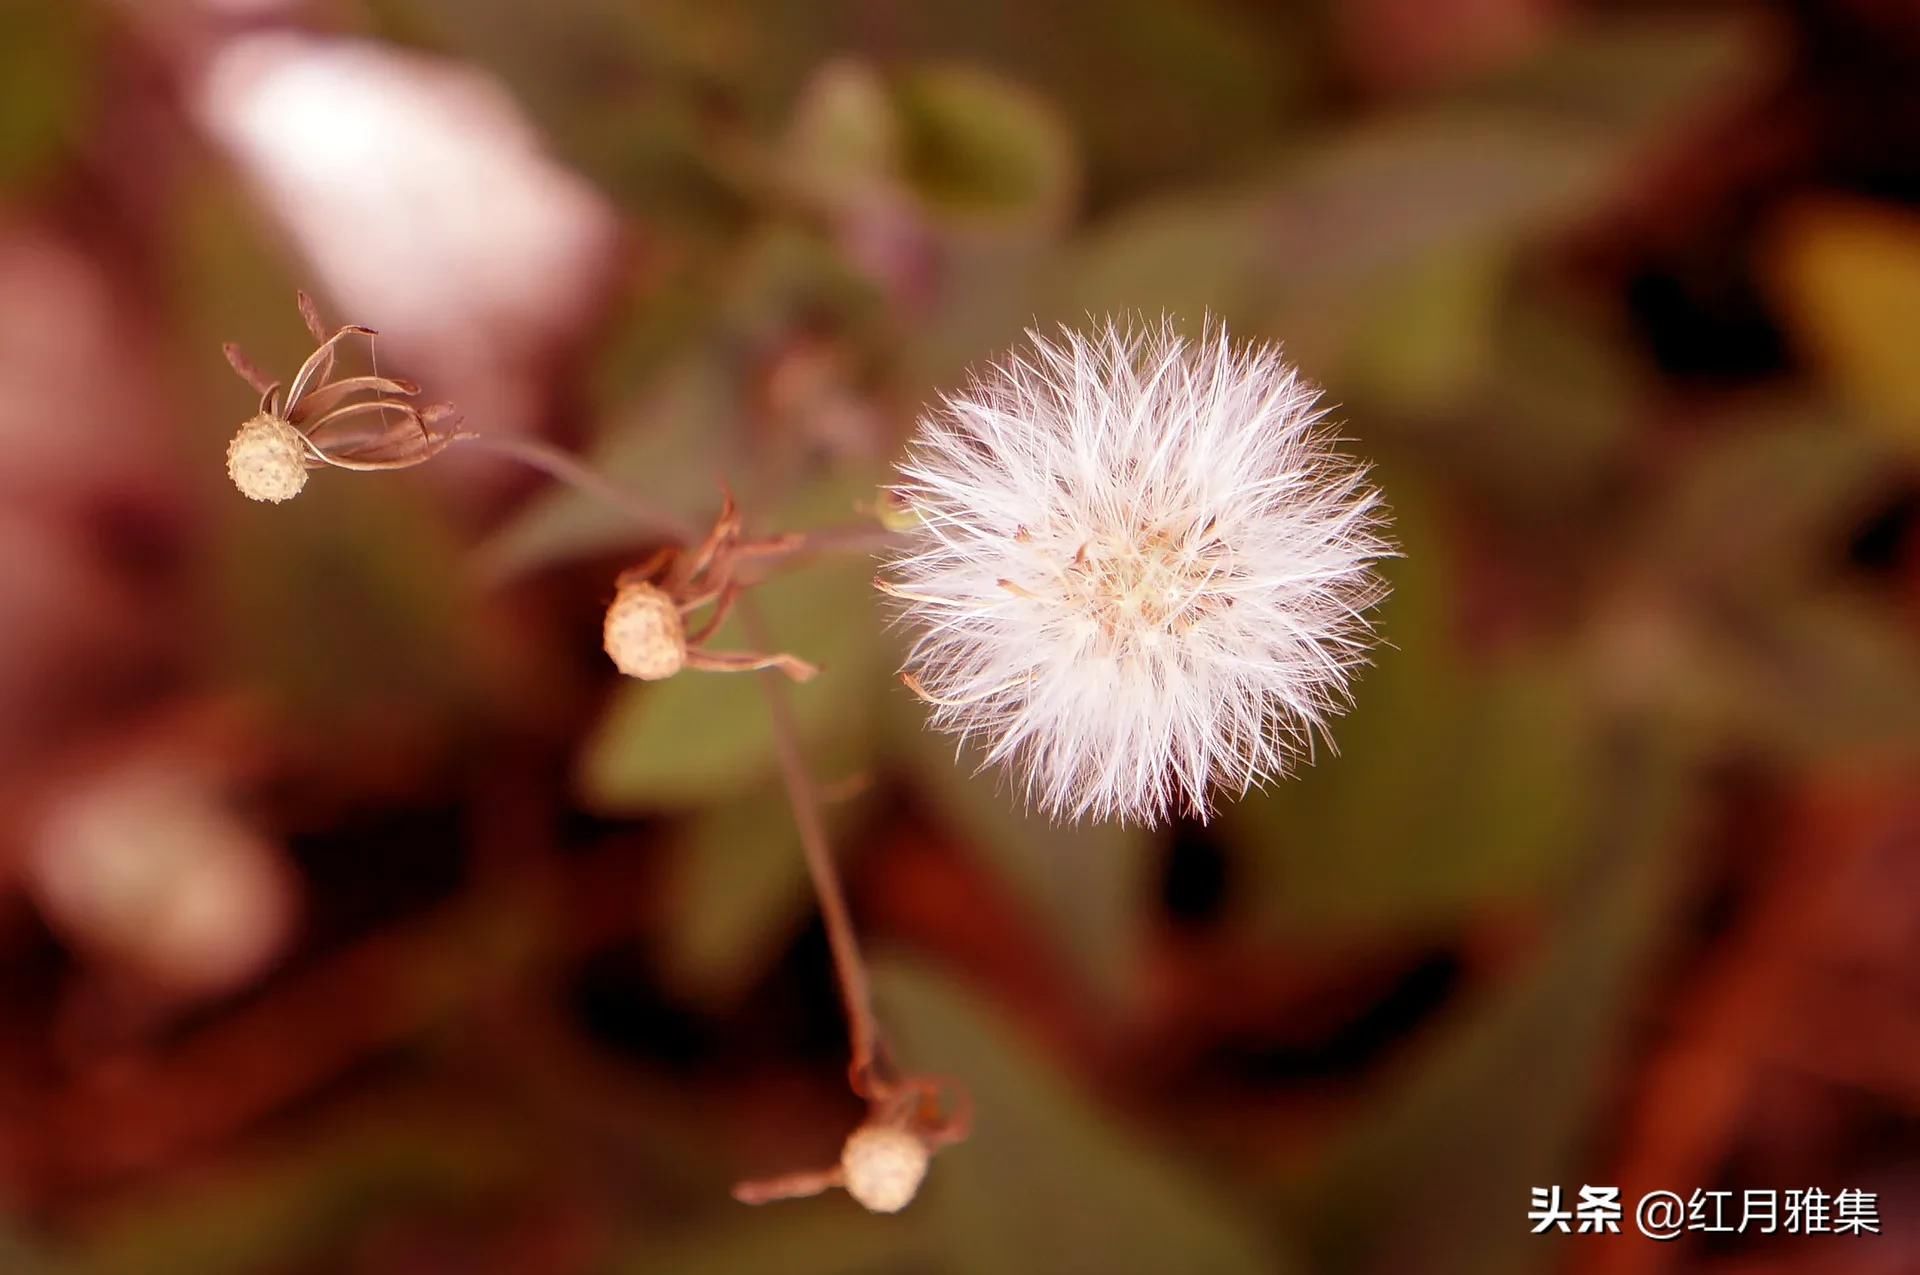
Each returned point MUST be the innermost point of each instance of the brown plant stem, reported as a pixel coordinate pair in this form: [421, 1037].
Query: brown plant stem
[868, 1069]
[860, 536]
[564, 467]
[868, 1061]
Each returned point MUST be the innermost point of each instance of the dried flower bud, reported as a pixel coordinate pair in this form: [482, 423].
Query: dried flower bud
[883, 1167]
[267, 460]
[644, 634]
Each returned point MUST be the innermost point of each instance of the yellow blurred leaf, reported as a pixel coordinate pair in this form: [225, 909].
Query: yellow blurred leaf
[1848, 276]
[1432, 334]
[46, 60]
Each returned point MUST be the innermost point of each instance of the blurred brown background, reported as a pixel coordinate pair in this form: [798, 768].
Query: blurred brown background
[355, 918]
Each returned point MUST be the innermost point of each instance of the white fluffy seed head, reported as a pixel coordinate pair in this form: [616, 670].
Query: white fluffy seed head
[267, 460]
[1141, 571]
[883, 1167]
[644, 634]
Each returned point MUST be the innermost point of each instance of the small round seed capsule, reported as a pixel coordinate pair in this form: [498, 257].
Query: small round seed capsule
[883, 1167]
[644, 634]
[267, 460]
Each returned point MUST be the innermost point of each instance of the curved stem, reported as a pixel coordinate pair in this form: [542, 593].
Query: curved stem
[850, 969]
[566, 468]
[320, 363]
[861, 536]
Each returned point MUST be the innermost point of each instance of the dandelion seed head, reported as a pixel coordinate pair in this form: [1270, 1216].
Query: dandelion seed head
[883, 1167]
[644, 634]
[267, 460]
[1140, 572]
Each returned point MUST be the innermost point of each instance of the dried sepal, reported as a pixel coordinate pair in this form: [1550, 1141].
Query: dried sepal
[247, 370]
[310, 315]
[401, 438]
[644, 644]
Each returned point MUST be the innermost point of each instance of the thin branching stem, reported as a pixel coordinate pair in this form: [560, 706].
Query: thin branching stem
[569, 469]
[850, 969]
[861, 536]
[866, 1068]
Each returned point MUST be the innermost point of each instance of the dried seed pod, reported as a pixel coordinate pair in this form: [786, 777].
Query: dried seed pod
[883, 1166]
[361, 422]
[267, 459]
[644, 634]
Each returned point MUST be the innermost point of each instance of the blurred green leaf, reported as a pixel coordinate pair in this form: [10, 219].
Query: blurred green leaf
[1434, 334]
[1457, 786]
[1374, 196]
[1152, 90]
[1633, 74]
[785, 277]
[983, 149]
[1732, 617]
[677, 403]
[740, 893]
[1048, 1183]
[702, 737]
[626, 93]
[1187, 255]
[306, 1203]
[1378, 253]
[833, 1236]
[1351, 213]
[1399, 231]
[986, 303]
[1765, 503]
[1848, 276]
[668, 449]
[1558, 397]
[1817, 679]
[1512, 1090]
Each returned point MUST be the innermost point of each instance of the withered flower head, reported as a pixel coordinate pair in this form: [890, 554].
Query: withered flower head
[349, 422]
